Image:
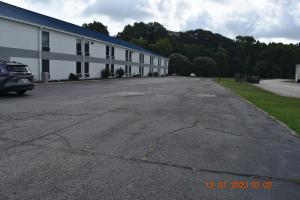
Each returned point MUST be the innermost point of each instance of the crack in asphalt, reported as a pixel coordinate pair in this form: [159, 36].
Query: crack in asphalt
[153, 146]
[83, 152]
[252, 137]
[55, 132]
[178, 166]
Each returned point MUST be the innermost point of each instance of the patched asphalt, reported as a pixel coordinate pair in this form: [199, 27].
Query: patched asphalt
[144, 138]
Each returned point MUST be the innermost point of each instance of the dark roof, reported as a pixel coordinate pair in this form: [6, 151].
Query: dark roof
[18, 13]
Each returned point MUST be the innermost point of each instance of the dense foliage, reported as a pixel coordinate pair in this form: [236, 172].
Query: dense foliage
[120, 73]
[105, 73]
[243, 55]
[96, 26]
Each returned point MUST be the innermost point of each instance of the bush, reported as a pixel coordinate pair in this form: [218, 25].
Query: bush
[120, 73]
[205, 66]
[73, 77]
[155, 74]
[179, 64]
[137, 75]
[105, 73]
[150, 74]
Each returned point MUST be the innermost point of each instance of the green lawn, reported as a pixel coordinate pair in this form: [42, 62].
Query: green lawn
[285, 109]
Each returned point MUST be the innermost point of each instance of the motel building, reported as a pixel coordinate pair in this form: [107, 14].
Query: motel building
[50, 45]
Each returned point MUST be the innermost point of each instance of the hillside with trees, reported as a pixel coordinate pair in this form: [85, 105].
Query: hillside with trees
[210, 54]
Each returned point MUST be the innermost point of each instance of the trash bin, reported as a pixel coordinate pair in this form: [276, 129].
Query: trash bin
[45, 77]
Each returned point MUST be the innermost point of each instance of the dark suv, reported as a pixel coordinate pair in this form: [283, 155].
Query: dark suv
[15, 77]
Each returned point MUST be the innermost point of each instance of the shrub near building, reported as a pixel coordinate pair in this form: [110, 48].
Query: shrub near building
[179, 64]
[204, 66]
[201, 66]
[120, 73]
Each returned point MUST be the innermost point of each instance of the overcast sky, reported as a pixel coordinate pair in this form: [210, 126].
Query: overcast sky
[266, 20]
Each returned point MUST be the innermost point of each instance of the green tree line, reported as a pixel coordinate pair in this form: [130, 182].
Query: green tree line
[210, 54]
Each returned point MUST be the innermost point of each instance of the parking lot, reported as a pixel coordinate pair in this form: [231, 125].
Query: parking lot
[283, 87]
[144, 138]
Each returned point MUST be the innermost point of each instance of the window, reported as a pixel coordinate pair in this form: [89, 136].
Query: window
[130, 56]
[126, 55]
[112, 52]
[151, 60]
[87, 49]
[45, 41]
[107, 52]
[107, 67]
[141, 70]
[78, 47]
[45, 66]
[159, 62]
[87, 69]
[142, 58]
[78, 69]
[126, 70]
[129, 67]
[112, 69]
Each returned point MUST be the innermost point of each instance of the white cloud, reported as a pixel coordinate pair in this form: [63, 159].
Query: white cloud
[268, 20]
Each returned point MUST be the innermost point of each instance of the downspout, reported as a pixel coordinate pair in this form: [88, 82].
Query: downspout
[83, 58]
[40, 53]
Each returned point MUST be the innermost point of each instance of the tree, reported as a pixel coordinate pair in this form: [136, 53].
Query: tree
[140, 42]
[237, 65]
[162, 46]
[204, 66]
[267, 70]
[179, 64]
[245, 54]
[221, 58]
[245, 39]
[151, 32]
[96, 26]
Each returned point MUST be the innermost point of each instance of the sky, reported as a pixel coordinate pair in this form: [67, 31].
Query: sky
[266, 20]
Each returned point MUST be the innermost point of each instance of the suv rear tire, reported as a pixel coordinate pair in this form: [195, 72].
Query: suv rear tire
[21, 92]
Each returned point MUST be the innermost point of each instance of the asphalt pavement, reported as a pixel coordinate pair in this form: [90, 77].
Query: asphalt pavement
[283, 87]
[144, 138]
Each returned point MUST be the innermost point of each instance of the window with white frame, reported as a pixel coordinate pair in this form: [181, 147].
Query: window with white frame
[113, 53]
[86, 69]
[112, 69]
[142, 58]
[107, 52]
[78, 47]
[78, 69]
[45, 41]
[87, 48]
[128, 55]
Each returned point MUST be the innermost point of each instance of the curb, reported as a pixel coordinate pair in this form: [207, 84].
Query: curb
[261, 110]
[93, 80]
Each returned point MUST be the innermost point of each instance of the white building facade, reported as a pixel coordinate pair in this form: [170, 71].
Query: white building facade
[60, 48]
